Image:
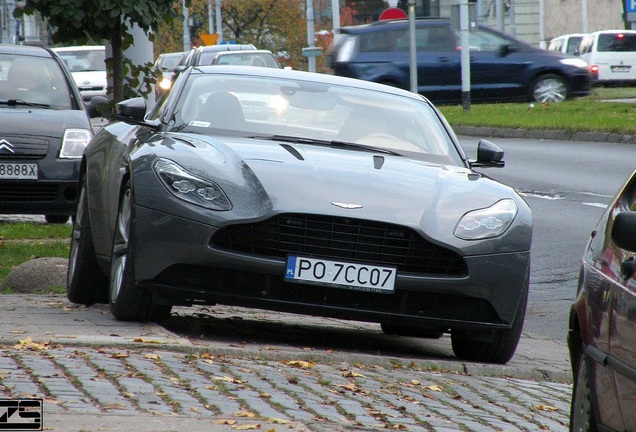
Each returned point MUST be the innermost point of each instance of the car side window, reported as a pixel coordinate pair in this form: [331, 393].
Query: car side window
[435, 38]
[383, 41]
[481, 40]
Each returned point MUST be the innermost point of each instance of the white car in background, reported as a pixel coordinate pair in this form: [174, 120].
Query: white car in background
[88, 66]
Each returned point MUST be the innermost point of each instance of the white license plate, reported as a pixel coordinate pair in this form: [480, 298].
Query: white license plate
[18, 171]
[356, 276]
[621, 68]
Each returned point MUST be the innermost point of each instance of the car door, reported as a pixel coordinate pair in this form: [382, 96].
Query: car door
[622, 329]
[496, 67]
[439, 74]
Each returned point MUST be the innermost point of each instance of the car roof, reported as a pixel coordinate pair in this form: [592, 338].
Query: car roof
[227, 47]
[25, 50]
[302, 76]
[374, 26]
[242, 52]
[80, 48]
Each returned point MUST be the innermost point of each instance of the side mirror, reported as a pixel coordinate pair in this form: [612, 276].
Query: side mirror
[93, 106]
[624, 230]
[506, 49]
[131, 110]
[488, 155]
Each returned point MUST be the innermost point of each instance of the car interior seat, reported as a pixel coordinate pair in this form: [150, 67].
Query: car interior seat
[223, 110]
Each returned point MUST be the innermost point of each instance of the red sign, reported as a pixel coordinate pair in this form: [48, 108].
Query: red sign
[393, 13]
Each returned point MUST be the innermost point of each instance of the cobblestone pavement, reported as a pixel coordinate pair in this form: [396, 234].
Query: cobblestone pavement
[280, 395]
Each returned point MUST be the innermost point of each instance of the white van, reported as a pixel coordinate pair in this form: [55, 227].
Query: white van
[568, 43]
[611, 56]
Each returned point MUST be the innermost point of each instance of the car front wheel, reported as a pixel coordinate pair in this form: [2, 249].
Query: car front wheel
[581, 411]
[498, 347]
[128, 301]
[549, 88]
[86, 283]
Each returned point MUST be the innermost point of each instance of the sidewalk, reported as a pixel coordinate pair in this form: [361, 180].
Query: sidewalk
[95, 373]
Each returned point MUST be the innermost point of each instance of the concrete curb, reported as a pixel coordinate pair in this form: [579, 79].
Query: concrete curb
[563, 135]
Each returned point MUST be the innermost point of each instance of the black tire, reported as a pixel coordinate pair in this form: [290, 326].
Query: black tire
[86, 283]
[56, 219]
[396, 329]
[549, 88]
[128, 301]
[582, 418]
[498, 347]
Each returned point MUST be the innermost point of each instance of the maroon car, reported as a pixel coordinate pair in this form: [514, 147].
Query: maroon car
[602, 328]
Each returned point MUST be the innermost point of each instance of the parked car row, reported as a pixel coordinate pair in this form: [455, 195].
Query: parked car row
[610, 54]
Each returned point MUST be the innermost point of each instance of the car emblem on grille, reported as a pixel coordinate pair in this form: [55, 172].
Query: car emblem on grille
[86, 82]
[6, 145]
[347, 206]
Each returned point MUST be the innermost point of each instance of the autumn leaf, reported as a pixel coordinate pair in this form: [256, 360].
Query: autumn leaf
[28, 344]
[120, 355]
[301, 364]
[153, 357]
[350, 374]
[545, 408]
[150, 341]
[225, 422]
[245, 414]
[435, 388]
[277, 420]
[247, 427]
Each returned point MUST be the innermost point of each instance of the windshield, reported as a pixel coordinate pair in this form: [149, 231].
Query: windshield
[262, 107]
[33, 80]
[84, 60]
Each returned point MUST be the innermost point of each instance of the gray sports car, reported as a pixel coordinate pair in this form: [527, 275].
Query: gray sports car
[305, 193]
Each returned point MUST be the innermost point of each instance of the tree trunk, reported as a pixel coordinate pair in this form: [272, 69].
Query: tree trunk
[117, 64]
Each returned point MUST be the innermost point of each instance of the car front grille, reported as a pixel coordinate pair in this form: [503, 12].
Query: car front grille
[341, 238]
[20, 147]
[28, 192]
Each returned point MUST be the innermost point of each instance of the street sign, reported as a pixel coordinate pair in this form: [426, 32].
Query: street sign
[630, 10]
[312, 52]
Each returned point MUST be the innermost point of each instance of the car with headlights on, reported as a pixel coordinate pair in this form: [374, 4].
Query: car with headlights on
[164, 66]
[306, 193]
[44, 128]
[602, 323]
[502, 68]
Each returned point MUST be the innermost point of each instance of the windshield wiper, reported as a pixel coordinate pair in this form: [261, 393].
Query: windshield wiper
[332, 143]
[16, 102]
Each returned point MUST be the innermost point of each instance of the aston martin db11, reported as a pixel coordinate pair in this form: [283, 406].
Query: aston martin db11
[304, 193]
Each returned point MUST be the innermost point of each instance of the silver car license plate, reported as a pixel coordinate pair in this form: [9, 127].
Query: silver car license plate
[620, 68]
[18, 171]
[363, 277]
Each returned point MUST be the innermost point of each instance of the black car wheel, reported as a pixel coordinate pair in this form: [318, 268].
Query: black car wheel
[128, 301]
[582, 412]
[549, 88]
[56, 219]
[498, 347]
[86, 283]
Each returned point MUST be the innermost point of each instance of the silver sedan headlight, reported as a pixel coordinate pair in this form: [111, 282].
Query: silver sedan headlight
[487, 223]
[191, 188]
[74, 143]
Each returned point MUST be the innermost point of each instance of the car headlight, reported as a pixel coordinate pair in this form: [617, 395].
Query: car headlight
[574, 62]
[191, 188]
[165, 83]
[74, 143]
[487, 223]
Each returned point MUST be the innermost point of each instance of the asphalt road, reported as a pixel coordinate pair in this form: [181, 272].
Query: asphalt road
[567, 184]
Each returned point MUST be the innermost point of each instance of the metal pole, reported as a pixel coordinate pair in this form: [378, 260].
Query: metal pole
[210, 17]
[187, 43]
[335, 14]
[499, 11]
[511, 17]
[586, 23]
[542, 41]
[412, 48]
[465, 53]
[311, 60]
[219, 22]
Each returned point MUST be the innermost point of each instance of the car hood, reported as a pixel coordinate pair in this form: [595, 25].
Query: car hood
[263, 177]
[89, 78]
[40, 122]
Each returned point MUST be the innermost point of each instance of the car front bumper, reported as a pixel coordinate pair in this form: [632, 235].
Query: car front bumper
[173, 257]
